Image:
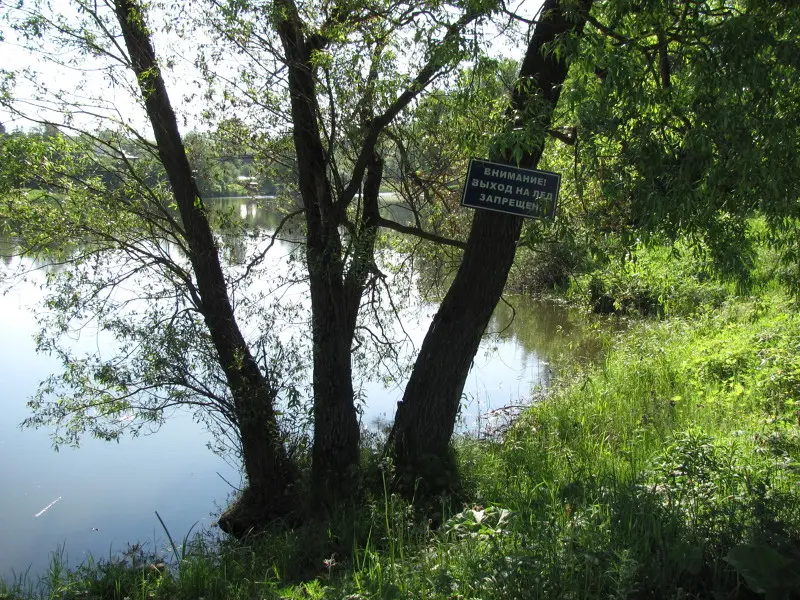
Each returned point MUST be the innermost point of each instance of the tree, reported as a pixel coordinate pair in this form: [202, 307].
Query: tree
[685, 116]
[200, 330]
[678, 119]
[270, 474]
[340, 105]
[426, 416]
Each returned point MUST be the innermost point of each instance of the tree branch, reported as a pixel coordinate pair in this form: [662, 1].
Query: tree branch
[420, 82]
[606, 30]
[421, 233]
[569, 137]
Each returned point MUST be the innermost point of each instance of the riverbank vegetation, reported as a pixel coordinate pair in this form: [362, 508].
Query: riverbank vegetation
[670, 468]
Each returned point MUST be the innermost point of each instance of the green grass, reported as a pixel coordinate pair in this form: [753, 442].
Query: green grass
[670, 470]
[647, 471]
[660, 278]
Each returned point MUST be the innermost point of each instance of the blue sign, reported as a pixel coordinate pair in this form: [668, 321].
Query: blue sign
[507, 189]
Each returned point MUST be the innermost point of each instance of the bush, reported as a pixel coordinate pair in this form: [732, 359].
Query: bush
[655, 281]
[547, 267]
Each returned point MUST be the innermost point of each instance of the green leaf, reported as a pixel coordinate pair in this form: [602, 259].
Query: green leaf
[765, 570]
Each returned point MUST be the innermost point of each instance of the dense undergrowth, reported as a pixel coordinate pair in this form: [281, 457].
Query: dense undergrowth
[671, 469]
[656, 279]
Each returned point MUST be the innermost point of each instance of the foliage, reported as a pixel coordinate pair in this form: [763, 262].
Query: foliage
[765, 570]
[547, 266]
[683, 117]
[655, 280]
[222, 168]
[123, 276]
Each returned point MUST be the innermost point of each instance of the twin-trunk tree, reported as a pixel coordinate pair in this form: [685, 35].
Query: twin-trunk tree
[426, 417]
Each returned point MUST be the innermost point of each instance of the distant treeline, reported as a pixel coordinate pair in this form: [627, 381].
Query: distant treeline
[221, 169]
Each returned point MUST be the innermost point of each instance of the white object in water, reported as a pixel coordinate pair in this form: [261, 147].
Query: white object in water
[46, 508]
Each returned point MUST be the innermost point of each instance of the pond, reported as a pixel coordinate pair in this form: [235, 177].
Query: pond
[100, 497]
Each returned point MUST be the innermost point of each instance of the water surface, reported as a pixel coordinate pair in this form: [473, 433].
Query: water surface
[102, 496]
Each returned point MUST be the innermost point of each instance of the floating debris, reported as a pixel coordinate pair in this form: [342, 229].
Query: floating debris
[46, 508]
[494, 424]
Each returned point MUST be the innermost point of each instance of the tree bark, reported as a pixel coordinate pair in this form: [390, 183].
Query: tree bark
[335, 452]
[270, 474]
[425, 418]
[335, 301]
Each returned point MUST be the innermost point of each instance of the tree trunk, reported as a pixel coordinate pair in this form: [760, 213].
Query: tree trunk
[335, 452]
[426, 416]
[270, 474]
[335, 303]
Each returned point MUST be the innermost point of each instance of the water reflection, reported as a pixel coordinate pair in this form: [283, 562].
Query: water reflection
[546, 328]
[523, 339]
[109, 492]
[259, 213]
[7, 248]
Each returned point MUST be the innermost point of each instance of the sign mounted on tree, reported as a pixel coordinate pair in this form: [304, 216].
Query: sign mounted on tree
[512, 190]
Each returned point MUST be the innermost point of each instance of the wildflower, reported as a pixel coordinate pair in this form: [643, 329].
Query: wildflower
[329, 563]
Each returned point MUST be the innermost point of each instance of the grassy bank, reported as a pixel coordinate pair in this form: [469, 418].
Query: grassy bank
[671, 470]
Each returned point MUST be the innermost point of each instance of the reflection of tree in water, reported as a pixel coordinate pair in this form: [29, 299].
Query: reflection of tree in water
[246, 216]
[259, 214]
[234, 247]
[8, 247]
[546, 329]
[242, 217]
[399, 212]
[12, 255]
[547, 332]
